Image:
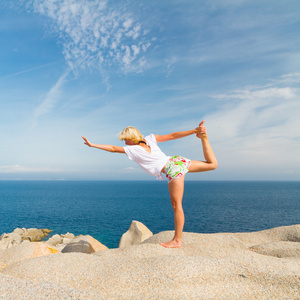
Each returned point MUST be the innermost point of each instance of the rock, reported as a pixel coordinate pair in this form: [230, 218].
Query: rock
[12, 288]
[2, 236]
[3, 241]
[54, 240]
[283, 233]
[279, 249]
[25, 231]
[46, 231]
[2, 265]
[84, 244]
[10, 240]
[19, 231]
[136, 234]
[68, 235]
[25, 251]
[34, 234]
[207, 266]
[19, 235]
[67, 241]
[60, 241]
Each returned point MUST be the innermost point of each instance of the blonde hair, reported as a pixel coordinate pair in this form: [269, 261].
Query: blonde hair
[130, 133]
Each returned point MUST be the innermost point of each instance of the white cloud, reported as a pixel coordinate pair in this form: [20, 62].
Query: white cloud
[257, 93]
[258, 128]
[94, 33]
[26, 71]
[243, 112]
[127, 24]
[23, 169]
[51, 98]
[170, 64]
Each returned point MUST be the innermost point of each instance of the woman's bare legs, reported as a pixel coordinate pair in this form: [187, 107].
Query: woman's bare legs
[176, 188]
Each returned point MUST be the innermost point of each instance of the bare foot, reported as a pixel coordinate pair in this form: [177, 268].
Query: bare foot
[201, 131]
[171, 244]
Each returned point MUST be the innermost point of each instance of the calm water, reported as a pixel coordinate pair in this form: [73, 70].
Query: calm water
[105, 209]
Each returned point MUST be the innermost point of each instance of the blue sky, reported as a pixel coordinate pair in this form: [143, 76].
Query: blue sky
[70, 68]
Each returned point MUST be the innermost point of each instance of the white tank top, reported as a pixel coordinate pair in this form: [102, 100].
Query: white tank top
[152, 162]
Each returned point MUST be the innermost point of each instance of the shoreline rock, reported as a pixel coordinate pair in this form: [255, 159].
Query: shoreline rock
[60, 241]
[22, 244]
[21, 235]
[136, 234]
[84, 244]
[25, 251]
[207, 266]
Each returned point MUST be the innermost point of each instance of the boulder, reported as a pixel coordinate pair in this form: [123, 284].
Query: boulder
[84, 244]
[54, 240]
[34, 234]
[68, 235]
[19, 235]
[66, 241]
[9, 240]
[60, 241]
[19, 231]
[25, 251]
[136, 234]
[46, 231]
[279, 249]
[283, 233]
[25, 231]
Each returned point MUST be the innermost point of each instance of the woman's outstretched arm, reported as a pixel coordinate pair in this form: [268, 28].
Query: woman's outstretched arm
[109, 148]
[179, 134]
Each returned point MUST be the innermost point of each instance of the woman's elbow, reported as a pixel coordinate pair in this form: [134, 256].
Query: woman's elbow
[113, 149]
[116, 149]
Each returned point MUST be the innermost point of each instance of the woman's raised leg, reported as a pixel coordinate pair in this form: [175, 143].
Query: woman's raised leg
[211, 161]
[176, 188]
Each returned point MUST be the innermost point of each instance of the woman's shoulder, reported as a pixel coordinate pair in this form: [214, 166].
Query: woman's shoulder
[151, 138]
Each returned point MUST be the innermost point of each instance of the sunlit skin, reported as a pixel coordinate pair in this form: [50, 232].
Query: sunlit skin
[176, 186]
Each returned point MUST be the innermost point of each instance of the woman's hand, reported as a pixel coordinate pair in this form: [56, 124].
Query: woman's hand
[201, 130]
[87, 142]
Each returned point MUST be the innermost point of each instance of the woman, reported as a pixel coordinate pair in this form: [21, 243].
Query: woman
[146, 153]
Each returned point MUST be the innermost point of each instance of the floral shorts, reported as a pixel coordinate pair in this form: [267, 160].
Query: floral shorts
[176, 167]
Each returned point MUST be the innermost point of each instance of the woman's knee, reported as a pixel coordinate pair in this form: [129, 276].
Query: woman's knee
[177, 205]
[213, 165]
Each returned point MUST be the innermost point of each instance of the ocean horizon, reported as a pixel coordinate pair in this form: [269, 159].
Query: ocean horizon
[105, 209]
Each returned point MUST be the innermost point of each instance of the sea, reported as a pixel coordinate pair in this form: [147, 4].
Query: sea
[105, 209]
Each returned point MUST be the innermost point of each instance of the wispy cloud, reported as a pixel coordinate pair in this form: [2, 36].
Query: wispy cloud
[243, 112]
[24, 169]
[170, 64]
[94, 34]
[258, 127]
[25, 71]
[51, 98]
